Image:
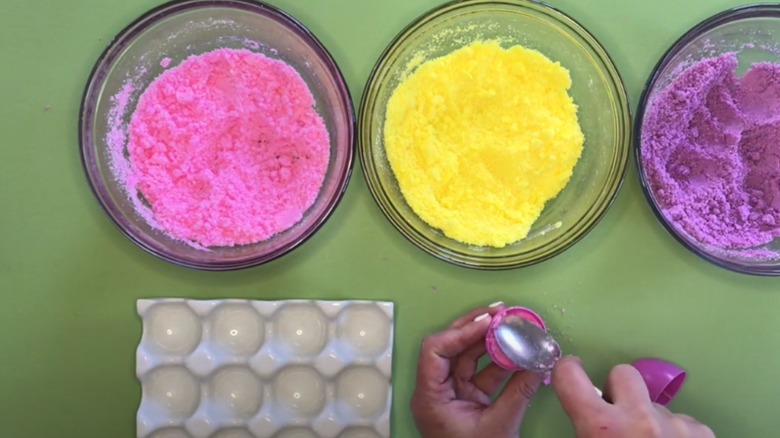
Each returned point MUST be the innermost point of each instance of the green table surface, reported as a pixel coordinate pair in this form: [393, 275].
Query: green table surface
[69, 280]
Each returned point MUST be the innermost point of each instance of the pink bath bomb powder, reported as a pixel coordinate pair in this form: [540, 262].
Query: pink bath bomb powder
[711, 153]
[227, 148]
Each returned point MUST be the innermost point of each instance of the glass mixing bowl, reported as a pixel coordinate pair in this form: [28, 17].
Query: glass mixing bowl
[753, 33]
[597, 90]
[164, 37]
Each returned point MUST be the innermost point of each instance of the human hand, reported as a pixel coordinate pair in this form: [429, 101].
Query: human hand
[453, 399]
[631, 413]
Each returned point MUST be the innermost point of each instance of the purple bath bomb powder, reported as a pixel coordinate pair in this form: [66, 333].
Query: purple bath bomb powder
[711, 152]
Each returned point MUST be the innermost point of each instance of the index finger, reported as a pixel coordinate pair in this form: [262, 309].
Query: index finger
[439, 349]
[625, 385]
[467, 318]
[575, 389]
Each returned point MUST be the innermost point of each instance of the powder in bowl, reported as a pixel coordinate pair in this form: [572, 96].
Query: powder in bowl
[711, 152]
[480, 139]
[226, 149]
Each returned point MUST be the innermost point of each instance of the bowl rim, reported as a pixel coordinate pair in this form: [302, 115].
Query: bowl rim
[712, 22]
[126, 36]
[605, 200]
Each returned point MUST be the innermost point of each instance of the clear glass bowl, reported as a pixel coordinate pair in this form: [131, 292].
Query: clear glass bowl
[753, 32]
[169, 34]
[597, 89]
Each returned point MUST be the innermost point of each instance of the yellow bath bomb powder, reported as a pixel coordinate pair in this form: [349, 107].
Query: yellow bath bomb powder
[480, 139]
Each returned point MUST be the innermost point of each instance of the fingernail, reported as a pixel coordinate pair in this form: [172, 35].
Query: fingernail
[496, 304]
[481, 317]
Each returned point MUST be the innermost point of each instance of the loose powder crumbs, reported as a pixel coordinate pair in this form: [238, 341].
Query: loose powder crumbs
[227, 148]
[480, 139]
[711, 150]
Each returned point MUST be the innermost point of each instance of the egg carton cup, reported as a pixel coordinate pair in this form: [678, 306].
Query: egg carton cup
[277, 369]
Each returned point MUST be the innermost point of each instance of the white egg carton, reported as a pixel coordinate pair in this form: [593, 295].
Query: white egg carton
[276, 369]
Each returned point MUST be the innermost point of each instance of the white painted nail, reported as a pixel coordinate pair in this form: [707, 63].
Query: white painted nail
[496, 304]
[598, 391]
[481, 317]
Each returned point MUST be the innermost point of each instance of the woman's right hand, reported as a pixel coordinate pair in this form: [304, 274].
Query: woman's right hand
[631, 413]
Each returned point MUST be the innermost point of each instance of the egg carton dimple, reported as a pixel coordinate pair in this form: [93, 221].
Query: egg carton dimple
[275, 369]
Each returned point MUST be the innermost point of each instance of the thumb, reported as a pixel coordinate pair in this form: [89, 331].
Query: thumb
[514, 399]
[575, 389]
